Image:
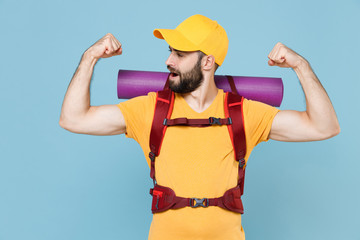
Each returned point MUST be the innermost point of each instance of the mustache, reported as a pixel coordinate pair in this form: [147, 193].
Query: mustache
[173, 70]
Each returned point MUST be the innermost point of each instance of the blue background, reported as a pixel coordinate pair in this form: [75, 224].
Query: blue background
[58, 185]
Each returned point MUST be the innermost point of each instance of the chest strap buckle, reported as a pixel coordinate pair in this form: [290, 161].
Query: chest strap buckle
[214, 121]
[199, 202]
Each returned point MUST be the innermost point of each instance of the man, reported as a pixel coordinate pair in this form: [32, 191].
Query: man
[197, 162]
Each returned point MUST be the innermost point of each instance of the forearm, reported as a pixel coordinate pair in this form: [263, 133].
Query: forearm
[319, 109]
[77, 98]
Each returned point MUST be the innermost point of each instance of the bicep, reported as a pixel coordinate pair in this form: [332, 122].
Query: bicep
[294, 126]
[101, 120]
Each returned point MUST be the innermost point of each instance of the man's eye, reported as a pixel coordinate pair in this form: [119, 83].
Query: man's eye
[177, 53]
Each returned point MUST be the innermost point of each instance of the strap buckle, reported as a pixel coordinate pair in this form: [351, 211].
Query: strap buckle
[152, 156]
[199, 202]
[214, 121]
[165, 122]
[241, 162]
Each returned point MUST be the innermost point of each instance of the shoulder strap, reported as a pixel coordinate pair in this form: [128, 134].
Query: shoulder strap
[233, 109]
[163, 109]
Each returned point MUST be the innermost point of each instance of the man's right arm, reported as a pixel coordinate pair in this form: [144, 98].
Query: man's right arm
[77, 115]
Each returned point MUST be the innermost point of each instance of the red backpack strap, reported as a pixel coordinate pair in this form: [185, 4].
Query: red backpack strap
[163, 109]
[232, 84]
[234, 110]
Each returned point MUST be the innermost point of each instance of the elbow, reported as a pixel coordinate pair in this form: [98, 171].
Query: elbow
[74, 125]
[63, 123]
[72, 122]
[66, 124]
[331, 132]
[336, 130]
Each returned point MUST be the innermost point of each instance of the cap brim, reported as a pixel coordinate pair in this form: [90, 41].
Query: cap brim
[175, 39]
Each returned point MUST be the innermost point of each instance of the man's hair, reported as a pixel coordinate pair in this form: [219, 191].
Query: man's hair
[201, 55]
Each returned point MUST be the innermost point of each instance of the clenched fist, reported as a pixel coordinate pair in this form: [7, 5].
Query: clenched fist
[283, 56]
[107, 46]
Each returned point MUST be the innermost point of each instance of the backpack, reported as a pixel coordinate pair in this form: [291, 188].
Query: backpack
[164, 198]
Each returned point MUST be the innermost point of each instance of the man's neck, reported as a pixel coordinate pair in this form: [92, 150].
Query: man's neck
[200, 99]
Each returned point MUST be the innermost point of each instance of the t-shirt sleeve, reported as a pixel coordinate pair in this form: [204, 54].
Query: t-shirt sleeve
[138, 114]
[258, 118]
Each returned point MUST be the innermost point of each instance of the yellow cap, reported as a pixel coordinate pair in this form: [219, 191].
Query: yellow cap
[197, 33]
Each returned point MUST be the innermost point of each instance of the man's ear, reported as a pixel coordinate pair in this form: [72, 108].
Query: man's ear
[208, 62]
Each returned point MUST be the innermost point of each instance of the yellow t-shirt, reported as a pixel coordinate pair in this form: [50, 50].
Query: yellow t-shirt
[196, 162]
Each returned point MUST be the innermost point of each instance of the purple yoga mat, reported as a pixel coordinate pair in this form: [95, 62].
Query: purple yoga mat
[264, 89]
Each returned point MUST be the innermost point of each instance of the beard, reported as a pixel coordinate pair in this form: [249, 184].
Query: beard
[189, 81]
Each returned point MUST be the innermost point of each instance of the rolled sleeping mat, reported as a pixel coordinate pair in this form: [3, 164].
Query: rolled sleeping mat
[263, 89]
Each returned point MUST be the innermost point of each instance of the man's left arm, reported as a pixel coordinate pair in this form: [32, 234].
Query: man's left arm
[319, 121]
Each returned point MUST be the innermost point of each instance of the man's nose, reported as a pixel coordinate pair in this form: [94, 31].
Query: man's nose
[170, 60]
